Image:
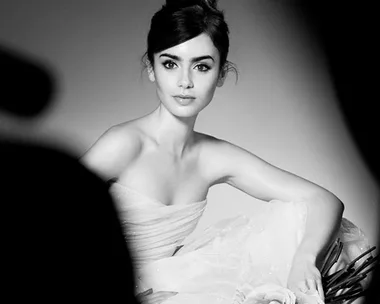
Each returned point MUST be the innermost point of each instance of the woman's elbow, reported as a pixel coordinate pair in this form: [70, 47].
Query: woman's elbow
[330, 202]
[335, 204]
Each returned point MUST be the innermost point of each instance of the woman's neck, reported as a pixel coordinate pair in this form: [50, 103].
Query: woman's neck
[172, 133]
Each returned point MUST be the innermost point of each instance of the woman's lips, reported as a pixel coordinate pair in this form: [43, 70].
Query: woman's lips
[184, 99]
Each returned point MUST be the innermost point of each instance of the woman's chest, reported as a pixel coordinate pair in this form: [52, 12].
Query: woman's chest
[166, 179]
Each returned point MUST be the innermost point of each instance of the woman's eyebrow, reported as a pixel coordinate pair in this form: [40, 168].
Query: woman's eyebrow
[195, 59]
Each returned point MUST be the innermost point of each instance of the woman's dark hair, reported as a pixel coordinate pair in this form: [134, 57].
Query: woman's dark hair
[181, 20]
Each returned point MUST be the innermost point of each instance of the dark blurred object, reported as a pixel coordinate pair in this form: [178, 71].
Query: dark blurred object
[347, 33]
[26, 87]
[61, 238]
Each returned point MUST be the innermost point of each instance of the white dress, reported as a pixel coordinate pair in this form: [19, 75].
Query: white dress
[239, 260]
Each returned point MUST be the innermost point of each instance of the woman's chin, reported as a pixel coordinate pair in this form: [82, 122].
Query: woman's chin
[187, 111]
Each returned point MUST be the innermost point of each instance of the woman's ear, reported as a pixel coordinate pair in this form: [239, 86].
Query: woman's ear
[150, 69]
[222, 77]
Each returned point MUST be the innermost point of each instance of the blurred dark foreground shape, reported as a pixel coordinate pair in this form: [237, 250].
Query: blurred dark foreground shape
[346, 32]
[61, 239]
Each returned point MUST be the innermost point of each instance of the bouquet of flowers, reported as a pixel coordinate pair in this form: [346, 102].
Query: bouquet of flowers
[347, 283]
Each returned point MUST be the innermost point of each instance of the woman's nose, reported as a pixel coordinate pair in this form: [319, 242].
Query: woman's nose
[185, 81]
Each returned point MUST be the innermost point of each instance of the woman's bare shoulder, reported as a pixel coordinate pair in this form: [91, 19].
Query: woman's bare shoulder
[212, 157]
[220, 158]
[221, 148]
[114, 149]
[210, 143]
[123, 136]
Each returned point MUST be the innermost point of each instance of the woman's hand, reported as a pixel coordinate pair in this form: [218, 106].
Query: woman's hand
[150, 297]
[304, 277]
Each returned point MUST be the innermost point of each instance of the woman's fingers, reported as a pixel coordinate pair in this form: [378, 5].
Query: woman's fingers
[311, 284]
[146, 292]
[320, 290]
[141, 296]
[302, 287]
[315, 285]
[156, 297]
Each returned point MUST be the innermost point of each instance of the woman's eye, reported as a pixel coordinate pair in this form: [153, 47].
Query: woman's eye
[202, 67]
[169, 65]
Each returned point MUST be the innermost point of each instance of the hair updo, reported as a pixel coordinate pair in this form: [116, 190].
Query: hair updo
[181, 20]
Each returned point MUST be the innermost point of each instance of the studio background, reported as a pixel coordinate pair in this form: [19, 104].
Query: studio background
[283, 107]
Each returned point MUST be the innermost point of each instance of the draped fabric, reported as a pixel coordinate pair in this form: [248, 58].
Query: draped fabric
[245, 259]
[153, 229]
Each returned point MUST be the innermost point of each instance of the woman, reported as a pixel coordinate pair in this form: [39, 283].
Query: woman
[163, 170]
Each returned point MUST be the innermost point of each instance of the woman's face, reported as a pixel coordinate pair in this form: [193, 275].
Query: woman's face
[186, 75]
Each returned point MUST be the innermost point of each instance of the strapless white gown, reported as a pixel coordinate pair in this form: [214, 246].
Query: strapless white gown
[238, 260]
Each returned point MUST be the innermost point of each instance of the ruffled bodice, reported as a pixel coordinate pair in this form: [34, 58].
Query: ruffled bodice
[153, 229]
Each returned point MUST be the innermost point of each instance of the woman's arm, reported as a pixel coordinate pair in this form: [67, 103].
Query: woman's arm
[111, 153]
[264, 181]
